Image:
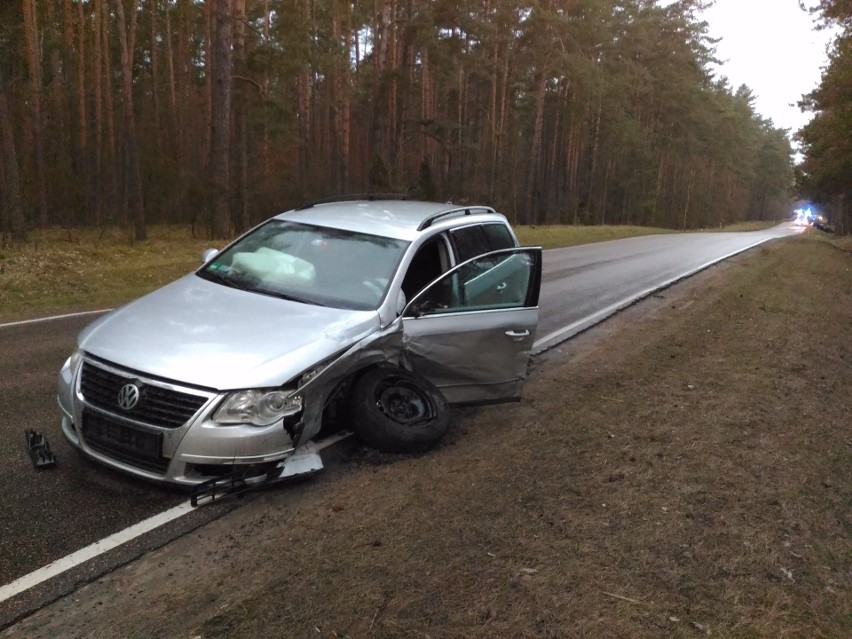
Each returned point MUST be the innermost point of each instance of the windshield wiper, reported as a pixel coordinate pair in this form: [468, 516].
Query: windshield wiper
[285, 296]
[222, 278]
[247, 284]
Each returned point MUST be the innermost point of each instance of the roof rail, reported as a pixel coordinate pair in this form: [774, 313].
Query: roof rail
[465, 210]
[356, 197]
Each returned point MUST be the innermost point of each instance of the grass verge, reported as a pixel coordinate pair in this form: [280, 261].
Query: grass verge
[557, 236]
[62, 270]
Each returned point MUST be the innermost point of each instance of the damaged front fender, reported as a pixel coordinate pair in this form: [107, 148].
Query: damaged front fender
[381, 348]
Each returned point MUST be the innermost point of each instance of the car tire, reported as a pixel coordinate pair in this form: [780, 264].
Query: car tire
[396, 411]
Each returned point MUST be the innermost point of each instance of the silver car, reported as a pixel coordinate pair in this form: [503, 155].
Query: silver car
[370, 316]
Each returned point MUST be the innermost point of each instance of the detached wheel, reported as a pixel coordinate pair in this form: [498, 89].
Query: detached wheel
[396, 411]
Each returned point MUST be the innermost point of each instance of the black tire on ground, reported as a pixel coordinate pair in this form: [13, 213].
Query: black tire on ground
[395, 411]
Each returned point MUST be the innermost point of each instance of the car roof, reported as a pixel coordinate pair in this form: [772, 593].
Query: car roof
[399, 219]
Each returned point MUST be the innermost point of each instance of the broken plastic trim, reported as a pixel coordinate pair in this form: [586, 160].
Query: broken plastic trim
[305, 461]
[231, 485]
[39, 450]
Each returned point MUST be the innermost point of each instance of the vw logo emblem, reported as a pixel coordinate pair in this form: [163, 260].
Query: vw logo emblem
[128, 396]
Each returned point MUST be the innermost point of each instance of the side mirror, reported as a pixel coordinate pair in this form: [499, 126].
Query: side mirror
[208, 254]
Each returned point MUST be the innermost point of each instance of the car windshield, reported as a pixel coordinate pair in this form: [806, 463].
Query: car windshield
[310, 264]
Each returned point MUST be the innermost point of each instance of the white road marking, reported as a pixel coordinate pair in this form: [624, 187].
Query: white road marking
[22, 584]
[53, 317]
[91, 551]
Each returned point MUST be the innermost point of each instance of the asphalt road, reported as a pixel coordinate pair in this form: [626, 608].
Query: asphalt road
[50, 513]
[590, 280]
[46, 515]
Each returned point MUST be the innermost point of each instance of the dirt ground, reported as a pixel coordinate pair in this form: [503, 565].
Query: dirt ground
[683, 470]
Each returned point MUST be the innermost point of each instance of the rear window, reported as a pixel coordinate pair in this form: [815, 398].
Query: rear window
[471, 241]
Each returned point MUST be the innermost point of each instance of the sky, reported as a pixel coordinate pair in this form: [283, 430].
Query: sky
[773, 47]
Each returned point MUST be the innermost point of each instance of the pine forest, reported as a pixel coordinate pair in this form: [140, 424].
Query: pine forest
[220, 113]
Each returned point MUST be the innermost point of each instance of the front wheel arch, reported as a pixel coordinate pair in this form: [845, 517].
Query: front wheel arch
[397, 411]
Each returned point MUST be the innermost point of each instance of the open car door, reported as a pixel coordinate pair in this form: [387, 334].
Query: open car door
[471, 332]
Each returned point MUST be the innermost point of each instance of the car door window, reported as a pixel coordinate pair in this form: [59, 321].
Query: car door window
[498, 280]
[478, 239]
[426, 266]
[498, 236]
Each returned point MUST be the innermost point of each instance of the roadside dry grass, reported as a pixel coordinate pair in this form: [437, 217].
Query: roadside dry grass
[843, 242]
[559, 235]
[79, 269]
[740, 227]
[682, 470]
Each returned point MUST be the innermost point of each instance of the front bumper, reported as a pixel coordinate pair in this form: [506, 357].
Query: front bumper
[189, 454]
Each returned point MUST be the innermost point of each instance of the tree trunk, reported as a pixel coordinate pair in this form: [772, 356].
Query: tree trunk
[209, 63]
[14, 216]
[222, 41]
[111, 159]
[72, 206]
[170, 63]
[84, 166]
[530, 215]
[341, 32]
[688, 194]
[303, 108]
[593, 170]
[155, 76]
[266, 144]
[133, 177]
[34, 60]
[345, 102]
[98, 178]
[503, 107]
[240, 116]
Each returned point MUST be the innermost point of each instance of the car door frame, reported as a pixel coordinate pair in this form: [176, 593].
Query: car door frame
[474, 355]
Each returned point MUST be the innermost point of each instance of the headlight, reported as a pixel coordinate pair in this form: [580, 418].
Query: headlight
[257, 407]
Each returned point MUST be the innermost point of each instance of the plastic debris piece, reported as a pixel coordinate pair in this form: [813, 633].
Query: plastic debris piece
[39, 450]
[305, 461]
[232, 484]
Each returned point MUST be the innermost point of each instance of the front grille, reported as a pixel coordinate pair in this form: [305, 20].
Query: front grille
[157, 405]
[132, 446]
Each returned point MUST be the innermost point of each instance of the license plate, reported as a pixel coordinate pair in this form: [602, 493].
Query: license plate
[122, 439]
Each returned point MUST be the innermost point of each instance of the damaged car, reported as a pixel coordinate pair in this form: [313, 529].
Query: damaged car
[366, 315]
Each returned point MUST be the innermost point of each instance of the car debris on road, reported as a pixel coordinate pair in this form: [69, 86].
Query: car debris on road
[39, 450]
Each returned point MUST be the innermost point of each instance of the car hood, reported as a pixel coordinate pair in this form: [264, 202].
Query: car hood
[206, 334]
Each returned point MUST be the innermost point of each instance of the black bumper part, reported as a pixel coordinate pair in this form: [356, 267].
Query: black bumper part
[233, 484]
[39, 450]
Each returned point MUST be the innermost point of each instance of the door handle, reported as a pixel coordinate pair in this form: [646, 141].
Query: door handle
[517, 335]
[502, 286]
